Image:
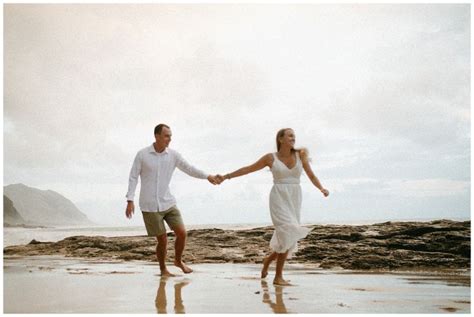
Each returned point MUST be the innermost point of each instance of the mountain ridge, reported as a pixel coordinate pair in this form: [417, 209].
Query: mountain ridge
[44, 207]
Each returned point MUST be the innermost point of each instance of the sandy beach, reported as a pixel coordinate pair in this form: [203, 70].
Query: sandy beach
[55, 284]
[391, 267]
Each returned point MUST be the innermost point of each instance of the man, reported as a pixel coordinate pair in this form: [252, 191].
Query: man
[155, 165]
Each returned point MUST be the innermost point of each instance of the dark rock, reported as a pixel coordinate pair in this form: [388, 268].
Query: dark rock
[442, 244]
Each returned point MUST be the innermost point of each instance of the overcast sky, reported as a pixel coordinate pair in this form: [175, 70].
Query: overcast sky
[379, 94]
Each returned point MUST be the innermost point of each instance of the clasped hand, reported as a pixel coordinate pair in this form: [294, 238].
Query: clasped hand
[215, 179]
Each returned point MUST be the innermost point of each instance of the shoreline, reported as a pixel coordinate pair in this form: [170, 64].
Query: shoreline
[290, 264]
[439, 245]
[234, 226]
[77, 286]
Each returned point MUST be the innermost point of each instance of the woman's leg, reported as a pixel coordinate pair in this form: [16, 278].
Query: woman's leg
[266, 263]
[281, 258]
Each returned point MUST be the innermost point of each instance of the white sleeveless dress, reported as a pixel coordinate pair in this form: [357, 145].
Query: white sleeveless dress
[285, 206]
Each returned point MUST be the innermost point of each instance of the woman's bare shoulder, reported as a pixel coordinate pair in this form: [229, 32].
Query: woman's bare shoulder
[268, 158]
[304, 154]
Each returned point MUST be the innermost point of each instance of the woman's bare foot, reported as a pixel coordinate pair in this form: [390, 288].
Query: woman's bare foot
[266, 264]
[281, 281]
[186, 269]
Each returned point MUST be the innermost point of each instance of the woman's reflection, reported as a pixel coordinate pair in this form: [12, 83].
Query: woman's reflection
[279, 306]
[160, 301]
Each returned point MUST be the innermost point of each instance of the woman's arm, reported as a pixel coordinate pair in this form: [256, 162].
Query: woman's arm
[265, 160]
[312, 177]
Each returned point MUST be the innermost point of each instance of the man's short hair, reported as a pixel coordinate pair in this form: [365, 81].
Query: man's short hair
[160, 127]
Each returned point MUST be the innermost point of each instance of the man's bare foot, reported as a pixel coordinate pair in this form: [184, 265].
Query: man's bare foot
[281, 281]
[167, 273]
[186, 269]
[266, 264]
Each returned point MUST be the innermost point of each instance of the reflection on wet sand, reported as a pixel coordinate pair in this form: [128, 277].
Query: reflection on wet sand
[160, 300]
[278, 306]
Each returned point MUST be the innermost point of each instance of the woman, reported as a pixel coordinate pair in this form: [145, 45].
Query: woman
[285, 198]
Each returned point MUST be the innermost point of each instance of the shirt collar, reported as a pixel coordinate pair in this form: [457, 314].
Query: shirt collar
[151, 149]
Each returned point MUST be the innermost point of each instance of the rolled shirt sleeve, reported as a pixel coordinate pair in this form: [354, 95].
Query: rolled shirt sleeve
[187, 168]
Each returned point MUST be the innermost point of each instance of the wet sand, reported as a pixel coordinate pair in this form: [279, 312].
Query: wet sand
[55, 284]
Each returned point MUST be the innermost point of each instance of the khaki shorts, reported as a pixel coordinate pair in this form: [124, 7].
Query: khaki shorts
[155, 221]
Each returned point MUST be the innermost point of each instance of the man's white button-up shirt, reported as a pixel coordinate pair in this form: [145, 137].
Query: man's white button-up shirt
[155, 171]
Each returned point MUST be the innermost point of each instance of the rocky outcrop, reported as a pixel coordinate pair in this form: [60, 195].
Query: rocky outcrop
[390, 245]
[11, 217]
[442, 244]
[44, 207]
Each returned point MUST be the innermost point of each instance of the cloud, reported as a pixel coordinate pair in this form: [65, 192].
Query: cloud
[378, 93]
[435, 187]
[415, 85]
[428, 187]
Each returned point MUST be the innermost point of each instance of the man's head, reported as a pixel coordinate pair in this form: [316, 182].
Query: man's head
[162, 135]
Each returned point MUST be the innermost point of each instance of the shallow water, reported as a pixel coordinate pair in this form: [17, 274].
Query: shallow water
[49, 284]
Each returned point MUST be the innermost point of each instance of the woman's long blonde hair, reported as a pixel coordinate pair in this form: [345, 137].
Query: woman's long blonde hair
[303, 152]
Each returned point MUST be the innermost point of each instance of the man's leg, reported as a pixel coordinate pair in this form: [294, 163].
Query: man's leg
[161, 254]
[180, 243]
[175, 222]
[155, 226]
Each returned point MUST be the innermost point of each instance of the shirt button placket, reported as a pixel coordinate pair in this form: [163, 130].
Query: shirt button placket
[157, 182]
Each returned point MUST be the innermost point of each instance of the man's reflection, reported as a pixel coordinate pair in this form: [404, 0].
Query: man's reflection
[160, 301]
[279, 306]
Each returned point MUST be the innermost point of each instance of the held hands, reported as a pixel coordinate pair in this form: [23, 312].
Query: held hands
[213, 179]
[220, 178]
[216, 179]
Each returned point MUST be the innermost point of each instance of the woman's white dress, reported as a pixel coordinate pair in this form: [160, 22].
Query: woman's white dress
[285, 206]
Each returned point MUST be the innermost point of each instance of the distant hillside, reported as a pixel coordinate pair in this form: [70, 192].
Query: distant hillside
[11, 217]
[44, 207]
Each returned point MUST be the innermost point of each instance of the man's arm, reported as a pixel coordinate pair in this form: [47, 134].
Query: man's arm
[187, 168]
[132, 185]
